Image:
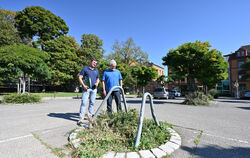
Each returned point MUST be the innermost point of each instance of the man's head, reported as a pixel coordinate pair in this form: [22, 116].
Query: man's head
[112, 64]
[93, 63]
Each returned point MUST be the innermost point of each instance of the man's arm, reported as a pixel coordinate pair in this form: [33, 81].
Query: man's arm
[81, 82]
[97, 82]
[121, 83]
[103, 88]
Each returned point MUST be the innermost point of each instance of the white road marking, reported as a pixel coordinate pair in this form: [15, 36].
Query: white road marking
[232, 139]
[15, 138]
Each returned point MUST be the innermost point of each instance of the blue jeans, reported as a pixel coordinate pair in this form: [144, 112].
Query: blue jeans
[117, 96]
[91, 95]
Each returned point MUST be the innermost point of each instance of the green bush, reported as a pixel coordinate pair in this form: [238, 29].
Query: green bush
[21, 98]
[196, 98]
[210, 97]
[118, 133]
[214, 93]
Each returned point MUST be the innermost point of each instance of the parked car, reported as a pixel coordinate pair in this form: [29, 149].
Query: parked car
[163, 93]
[176, 93]
[245, 94]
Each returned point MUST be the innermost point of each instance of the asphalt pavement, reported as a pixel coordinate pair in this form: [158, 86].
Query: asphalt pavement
[221, 130]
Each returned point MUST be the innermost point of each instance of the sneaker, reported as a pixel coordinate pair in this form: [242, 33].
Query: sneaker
[80, 121]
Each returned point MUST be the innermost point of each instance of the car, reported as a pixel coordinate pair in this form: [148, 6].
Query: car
[163, 93]
[176, 93]
[245, 94]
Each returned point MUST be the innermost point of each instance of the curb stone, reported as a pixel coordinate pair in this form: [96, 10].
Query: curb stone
[167, 148]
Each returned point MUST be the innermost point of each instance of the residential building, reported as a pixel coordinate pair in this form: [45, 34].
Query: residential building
[235, 60]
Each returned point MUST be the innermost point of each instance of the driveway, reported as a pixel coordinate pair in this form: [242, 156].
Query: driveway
[221, 130]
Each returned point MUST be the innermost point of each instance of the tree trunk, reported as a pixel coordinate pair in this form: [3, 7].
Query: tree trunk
[191, 84]
[23, 83]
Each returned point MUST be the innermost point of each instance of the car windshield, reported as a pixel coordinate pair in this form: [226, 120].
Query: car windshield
[159, 90]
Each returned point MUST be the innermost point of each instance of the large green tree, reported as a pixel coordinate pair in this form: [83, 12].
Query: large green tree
[63, 61]
[163, 80]
[22, 61]
[91, 48]
[196, 61]
[37, 21]
[8, 32]
[144, 75]
[128, 53]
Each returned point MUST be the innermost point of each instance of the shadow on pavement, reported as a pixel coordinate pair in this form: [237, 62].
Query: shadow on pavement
[232, 101]
[219, 152]
[67, 116]
[245, 108]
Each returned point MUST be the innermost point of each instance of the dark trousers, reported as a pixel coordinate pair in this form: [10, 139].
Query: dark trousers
[117, 96]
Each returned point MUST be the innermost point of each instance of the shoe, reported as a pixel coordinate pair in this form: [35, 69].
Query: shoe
[80, 121]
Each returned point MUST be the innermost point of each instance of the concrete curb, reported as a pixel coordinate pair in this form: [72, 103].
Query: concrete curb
[167, 148]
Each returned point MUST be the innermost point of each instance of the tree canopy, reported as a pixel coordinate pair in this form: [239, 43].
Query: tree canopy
[197, 61]
[128, 53]
[8, 32]
[63, 61]
[37, 21]
[22, 60]
[144, 75]
[91, 48]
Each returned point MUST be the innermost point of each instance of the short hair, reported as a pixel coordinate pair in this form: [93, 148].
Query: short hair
[112, 62]
[93, 59]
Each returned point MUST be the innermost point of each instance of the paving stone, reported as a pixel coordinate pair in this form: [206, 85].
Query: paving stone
[146, 154]
[173, 145]
[133, 155]
[72, 136]
[109, 155]
[76, 143]
[120, 155]
[166, 148]
[175, 140]
[158, 152]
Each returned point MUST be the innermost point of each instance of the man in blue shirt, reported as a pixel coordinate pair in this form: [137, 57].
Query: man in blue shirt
[90, 75]
[110, 78]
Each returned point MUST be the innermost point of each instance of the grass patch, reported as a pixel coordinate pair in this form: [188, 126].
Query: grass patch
[21, 98]
[118, 133]
[51, 94]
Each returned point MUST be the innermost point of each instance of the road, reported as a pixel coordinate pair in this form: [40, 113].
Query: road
[33, 130]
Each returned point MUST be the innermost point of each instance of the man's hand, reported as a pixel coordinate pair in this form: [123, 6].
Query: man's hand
[85, 87]
[104, 93]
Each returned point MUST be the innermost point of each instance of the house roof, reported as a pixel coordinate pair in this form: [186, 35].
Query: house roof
[245, 48]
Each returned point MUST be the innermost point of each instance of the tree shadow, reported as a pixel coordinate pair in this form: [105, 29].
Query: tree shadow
[155, 102]
[245, 108]
[232, 101]
[67, 116]
[218, 152]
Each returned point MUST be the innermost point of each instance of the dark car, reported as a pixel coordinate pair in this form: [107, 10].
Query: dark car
[245, 94]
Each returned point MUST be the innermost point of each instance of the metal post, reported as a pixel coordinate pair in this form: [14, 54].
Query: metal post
[106, 98]
[138, 136]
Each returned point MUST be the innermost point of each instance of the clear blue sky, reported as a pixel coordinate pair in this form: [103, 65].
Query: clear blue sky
[155, 25]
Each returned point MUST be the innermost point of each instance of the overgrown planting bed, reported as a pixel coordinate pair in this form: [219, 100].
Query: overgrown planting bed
[118, 133]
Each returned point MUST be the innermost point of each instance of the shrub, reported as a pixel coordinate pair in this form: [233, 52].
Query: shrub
[196, 98]
[214, 93]
[21, 98]
[118, 133]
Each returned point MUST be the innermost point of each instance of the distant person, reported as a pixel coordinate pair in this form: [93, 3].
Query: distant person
[89, 79]
[110, 78]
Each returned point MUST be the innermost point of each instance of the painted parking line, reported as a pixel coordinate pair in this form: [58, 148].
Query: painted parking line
[15, 138]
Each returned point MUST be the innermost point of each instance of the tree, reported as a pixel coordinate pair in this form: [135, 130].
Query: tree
[144, 75]
[8, 32]
[91, 47]
[126, 71]
[246, 67]
[63, 61]
[128, 53]
[22, 60]
[163, 80]
[196, 61]
[37, 21]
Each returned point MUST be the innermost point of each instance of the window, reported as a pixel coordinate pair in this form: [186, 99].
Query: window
[240, 63]
[238, 54]
[242, 87]
[240, 76]
[242, 53]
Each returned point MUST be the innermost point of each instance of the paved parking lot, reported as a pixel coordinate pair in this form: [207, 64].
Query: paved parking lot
[29, 130]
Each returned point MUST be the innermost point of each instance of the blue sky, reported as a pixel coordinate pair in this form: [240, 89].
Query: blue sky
[155, 25]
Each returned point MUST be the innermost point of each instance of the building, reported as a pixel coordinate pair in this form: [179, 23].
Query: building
[235, 60]
[152, 85]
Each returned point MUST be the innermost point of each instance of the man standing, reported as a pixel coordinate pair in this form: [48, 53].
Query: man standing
[110, 78]
[89, 79]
